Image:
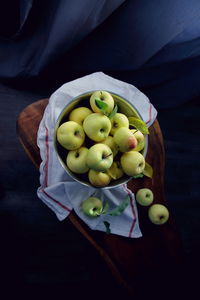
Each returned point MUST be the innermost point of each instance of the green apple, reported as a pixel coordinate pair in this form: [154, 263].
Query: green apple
[115, 170]
[92, 206]
[140, 139]
[103, 96]
[132, 163]
[98, 179]
[76, 160]
[125, 139]
[109, 141]
[79, 114]
[119, 120]
[144, 196]
[158, 214]
[70, 135]
[97, 126]
[99, 157]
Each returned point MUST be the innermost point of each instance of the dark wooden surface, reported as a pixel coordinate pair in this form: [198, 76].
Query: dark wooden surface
[126, 258]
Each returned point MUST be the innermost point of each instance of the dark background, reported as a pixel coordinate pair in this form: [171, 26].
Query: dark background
[154, 45]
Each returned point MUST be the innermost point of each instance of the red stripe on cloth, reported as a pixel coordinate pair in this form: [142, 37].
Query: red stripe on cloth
[45, 184]
[134, 221]
[56, 201]
[150, 113]
[132, 208]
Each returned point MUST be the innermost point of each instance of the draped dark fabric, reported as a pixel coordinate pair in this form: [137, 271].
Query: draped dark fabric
[47, 30]
[154, 45]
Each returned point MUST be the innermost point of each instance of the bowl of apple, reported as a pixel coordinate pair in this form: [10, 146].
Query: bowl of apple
[101, 140]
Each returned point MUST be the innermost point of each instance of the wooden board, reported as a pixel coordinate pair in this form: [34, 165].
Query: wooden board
[126, 258]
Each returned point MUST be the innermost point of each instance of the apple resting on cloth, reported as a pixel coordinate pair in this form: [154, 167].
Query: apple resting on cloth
[125, 139]
[102, 96]
[140, 139]
[119, 120]
[98, 179]
[132, 163]
[76, 160]
[158, 214]
[99, 157]
[144, 197]
[97, 126]
[92, 206]
[70, 135]
[79, 114]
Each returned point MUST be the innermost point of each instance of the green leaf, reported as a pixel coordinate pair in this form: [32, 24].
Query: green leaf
[120, 208]
[138, 124]
[105, 207]
[101, 105]
[107, 225]
[148, 170]
[138, 176]
[113, 112]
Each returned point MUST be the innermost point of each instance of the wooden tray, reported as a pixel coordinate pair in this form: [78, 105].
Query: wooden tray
[127, 258]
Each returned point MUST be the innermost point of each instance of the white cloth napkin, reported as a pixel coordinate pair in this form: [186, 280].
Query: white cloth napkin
[57, 189]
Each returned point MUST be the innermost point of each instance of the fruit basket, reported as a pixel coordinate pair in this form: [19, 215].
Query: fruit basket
[91, 102]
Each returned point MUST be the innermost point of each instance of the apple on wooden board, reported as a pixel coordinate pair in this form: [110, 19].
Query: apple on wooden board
[119, 120]
[99, 157]
[79, 114]
[132, 162]
[104, 96]
[140, 139]
[144, 196]
[92, 206]
[70, 135]
[76, 160]
[115, 171]
[109, 141]
[158, 214]
[125, 139]
[98, 179]
[97, 126]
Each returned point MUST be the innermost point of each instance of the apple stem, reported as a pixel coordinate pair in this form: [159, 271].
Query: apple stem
[136, 131]
[107, 155]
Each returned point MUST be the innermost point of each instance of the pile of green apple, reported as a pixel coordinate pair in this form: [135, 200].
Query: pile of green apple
[158, 213]
[100, 141]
